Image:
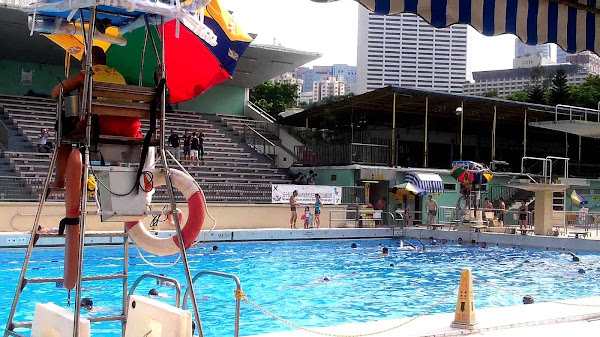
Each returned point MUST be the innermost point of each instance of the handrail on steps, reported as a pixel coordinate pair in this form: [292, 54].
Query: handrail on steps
[261, 112]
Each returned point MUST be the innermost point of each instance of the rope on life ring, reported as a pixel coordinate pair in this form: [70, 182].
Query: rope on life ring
[197, 212]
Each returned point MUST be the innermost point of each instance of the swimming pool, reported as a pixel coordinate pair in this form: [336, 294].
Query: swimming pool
[287, 279]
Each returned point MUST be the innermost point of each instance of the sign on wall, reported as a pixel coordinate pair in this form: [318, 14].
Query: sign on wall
[330, 195]
[26, 77]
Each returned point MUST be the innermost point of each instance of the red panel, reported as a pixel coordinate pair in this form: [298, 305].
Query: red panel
[191, 67]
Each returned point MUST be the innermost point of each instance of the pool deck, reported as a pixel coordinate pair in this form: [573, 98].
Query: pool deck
[579, 317]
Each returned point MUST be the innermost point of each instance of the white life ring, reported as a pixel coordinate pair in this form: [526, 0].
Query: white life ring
[196, 213]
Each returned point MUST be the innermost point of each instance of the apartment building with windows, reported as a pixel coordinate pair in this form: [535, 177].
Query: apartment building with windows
[404, 50]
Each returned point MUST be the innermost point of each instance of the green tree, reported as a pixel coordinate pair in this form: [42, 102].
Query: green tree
[559, 92]
[520, 96]
[274, 97]
[588, 94]
[491, 93]
[537, 95]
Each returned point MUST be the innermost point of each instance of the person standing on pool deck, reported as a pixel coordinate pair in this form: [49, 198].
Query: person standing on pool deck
[293, 204]
[502, 213]
[432, 208]
[318, 205]
[194, 149]
[523, 215]
[186, 145]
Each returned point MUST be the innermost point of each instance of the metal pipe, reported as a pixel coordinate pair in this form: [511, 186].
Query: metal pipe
[525, 134]
[158, 277]
[126, 274]
[494, 135]
[393, 154]
[462, 123]
[237, 300]
[426, 116]
[36, 223]
[580, 149]
[158, 57]
[352, 122]
[86, 165]
[141, 80]
[171, 194]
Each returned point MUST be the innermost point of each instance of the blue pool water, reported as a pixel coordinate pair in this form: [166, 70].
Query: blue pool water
[287, 279]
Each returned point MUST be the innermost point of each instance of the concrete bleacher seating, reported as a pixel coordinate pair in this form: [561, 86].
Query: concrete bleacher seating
[230, 172]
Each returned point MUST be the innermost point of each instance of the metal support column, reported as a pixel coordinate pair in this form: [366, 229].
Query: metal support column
[566, 145]
[306, 125]
[494, 135]
[525, 135]
[170, 192]
[426, 150]
[462, 125]
[352, 122]
[580, 149]
[141, 79]
[87, 110]
[393, 147]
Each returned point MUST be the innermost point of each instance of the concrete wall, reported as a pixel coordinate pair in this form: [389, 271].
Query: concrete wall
[220, 99]
[19, 216]
[43, 81]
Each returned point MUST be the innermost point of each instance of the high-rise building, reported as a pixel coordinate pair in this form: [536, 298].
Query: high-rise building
[587, 60]
[548, 50]
[328, 87]
[290, 78]
[561, 55]
[404, 50]
[346, 74]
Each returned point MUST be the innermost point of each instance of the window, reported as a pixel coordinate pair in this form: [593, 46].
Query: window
[449, 187]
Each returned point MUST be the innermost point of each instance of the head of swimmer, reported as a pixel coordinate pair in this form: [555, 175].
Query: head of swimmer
[353, 245]
[385, 250]
[153, 292]
[86, 303]
[215, 248]
[98, 57]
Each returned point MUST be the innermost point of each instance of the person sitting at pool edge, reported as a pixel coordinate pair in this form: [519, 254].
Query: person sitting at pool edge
[108, 125]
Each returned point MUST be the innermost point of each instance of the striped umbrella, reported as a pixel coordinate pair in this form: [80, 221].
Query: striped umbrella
[571, 24]
[406, 188]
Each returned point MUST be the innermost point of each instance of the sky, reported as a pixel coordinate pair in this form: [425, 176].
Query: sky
[331, 29]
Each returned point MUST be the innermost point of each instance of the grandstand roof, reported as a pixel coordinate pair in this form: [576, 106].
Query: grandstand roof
[377, 104]
[257, 65]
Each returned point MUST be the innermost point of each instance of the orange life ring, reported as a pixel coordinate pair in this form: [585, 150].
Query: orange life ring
[71, 221]
[196, 214]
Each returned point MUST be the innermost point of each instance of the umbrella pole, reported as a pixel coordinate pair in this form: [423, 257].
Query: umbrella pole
[141, 81]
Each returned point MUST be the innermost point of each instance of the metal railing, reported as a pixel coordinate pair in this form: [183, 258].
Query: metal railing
[4, 134]
[364, 218]
[259, 142]
[265, 128]
[453, 215]
[237, 298]
[342, 154]
[353, 195]
[578, 222]
[261, 112]
[577, 113]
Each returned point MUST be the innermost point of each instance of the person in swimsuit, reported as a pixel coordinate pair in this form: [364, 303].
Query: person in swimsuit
[502, 213]
[523, 215]
[318, 205]
[293, 205]
[432, 208]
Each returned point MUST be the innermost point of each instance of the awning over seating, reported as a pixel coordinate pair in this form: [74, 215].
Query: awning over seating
[572, 24]
[430, 182]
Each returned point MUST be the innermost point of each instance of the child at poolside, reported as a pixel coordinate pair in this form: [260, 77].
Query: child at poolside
[307, 217]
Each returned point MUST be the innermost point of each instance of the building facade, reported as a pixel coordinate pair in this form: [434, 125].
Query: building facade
[328, 87]
[404, 50]
[509, 81]
[587, 60]
[548, 50]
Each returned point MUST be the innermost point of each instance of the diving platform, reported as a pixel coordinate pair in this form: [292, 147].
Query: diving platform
[577, 127]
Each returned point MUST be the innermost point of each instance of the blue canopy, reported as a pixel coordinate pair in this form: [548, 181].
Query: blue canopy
[572, 24]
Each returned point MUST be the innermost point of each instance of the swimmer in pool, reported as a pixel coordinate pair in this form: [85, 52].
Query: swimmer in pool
[353, 245]
[459, 241]
[384, 252]
[154, 292]
[163, 283]
[575, 257]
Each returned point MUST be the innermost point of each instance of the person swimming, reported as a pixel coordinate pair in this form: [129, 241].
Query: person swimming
[459, 241]
[164, 283]
[384, 252]
[86, 303]
[483, 245]
[153, 292]
[528, 299]
[353, 245]
[575, 257]
[215, 248]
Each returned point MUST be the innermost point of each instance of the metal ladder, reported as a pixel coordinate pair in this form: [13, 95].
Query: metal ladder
[23, 281]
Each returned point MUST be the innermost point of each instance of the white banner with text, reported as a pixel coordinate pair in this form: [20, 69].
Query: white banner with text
[330, 195]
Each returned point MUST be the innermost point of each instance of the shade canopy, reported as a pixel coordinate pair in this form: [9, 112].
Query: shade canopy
[430, 182]
[572, 24]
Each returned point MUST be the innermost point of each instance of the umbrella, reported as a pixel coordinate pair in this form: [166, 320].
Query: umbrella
[577, 198]
[209, 49]
[461, 174]
[406, 188]
[482, 177]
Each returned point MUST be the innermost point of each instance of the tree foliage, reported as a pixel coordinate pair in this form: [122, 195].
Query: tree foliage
[492, 93]
[559, 92]
[274, 97]
[537, 95]
[588, 94]
[520, 96]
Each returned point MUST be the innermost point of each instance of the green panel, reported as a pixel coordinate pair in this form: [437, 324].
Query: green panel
[220, 99]
[128, 59]
[44, 78]
[343, 177]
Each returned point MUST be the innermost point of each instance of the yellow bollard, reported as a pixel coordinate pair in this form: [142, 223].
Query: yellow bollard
[464, 316]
